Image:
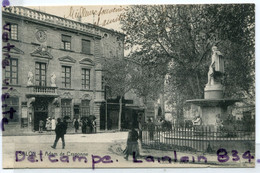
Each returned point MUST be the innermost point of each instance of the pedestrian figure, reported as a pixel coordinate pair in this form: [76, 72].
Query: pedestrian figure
[65, 123]
[48, 124]
[76, 125]
[60, 131]
[84, 126]
[53, 124]
[150, 127]
[132, 144]
[94, 124]
[41, 126]
[89, 126]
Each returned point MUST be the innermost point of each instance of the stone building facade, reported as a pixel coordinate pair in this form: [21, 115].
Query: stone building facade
[55, 66]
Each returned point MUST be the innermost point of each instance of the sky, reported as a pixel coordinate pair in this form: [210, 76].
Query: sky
[102, 15]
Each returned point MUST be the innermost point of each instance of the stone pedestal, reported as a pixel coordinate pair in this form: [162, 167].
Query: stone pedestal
[213, 106]
[210, 108]
[213, 91]
[209, 114]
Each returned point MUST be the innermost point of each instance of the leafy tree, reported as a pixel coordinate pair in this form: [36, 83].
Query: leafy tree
[177, 40]
[117, 77]
[147, 83]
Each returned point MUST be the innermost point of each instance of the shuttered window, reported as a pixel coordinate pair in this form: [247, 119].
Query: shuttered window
[66, 77]
[11, 71]
[14, 32]
[66, 40]
[40, 74]
[86, 46]
[65, 107]
[85, 78]
[85, 108]
[12, 102]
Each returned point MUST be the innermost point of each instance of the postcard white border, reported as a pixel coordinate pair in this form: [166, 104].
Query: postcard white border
[125, 2]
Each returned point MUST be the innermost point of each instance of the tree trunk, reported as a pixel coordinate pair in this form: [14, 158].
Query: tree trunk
[145, 105]
[192, 87]
[162, 103]
[200, 93]
[120, 113]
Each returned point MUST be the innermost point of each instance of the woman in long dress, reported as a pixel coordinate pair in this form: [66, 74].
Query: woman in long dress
[53, 124]
[132, 144]
[48, 124]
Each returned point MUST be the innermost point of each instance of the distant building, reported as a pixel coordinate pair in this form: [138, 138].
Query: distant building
[55, 66]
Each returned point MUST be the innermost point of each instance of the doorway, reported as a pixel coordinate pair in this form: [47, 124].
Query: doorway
[40, 111]
[39, 116]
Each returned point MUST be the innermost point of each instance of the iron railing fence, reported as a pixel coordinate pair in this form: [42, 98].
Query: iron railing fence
[201, 138]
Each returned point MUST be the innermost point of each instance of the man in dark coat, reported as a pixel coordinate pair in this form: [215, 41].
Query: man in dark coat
[41, 126]
[151, 129]
[76, 125]
[60, 130]
[84, 126]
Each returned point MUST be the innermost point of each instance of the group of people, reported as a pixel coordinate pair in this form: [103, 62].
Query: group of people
[87, 125]
[61, 128]
[50, 124]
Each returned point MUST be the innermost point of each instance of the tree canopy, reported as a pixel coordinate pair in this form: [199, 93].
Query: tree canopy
[118, 78]
[177, 39]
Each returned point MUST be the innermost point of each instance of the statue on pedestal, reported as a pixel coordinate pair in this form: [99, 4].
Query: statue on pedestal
[53, 80]
[30, 79]
[216, 66]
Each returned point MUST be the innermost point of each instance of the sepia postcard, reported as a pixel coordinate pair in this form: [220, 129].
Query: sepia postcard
[130, 86]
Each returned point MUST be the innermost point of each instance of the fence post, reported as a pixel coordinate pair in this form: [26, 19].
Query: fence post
[185, 136]
[174, 135]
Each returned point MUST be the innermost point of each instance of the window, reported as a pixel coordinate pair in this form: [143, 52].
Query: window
[40, 74]
[14, 103]
[85, 108]
[103, 86]
[66, 40]
[86, 46]
[66, 77]
[103, 82]
[11, 71]
[14, 31]
[85, 78]
[65, 107]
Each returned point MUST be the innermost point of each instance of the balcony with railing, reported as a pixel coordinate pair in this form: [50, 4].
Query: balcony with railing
[51, 19]
[42, 91]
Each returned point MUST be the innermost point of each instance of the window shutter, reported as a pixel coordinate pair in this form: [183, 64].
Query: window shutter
[66, 38]
[86, 46]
